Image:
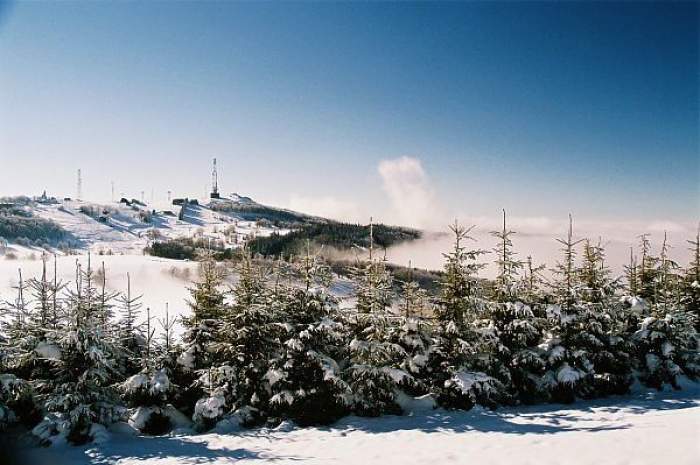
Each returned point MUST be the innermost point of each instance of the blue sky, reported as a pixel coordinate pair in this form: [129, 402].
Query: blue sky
[539, 108]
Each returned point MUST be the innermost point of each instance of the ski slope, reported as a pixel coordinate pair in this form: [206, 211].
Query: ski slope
[647, 428]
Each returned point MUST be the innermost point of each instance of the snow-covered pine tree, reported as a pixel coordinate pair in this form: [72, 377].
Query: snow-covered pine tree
[690, 286]
[129, 333]
[508, 330]
[569, 369]
[532, 284]
[305, 377]
[150, 391]
[168, 346]
[413, 332]
[39, 350]
[631, 274]
[202, 329]
[667, 342]
[81, 399]
[373, 372]
[14, 327]
[247, 340]
[17, 401]
[669, 277]
[506, 285]
[647, 272]
[602, 324]
[455, 383]
[105, 306]
[667, 348]
[16, 398]
[636, 307]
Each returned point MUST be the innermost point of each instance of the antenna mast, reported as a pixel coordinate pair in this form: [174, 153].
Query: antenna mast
[79, 193]
[214, 183]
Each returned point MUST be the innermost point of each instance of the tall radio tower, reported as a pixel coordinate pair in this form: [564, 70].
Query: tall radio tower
[214, 183]
[79, 192]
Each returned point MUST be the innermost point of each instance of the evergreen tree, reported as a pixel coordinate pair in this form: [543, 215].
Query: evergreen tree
[691, 282]
[507, 281]
[413, 333]
[373, 372]
[532, 283]
[81, 399]
[668, 292]
[129, 334]
[666, 342]
[667, 348]
[569, 368]
[508, 328]
[601, 324]
[150, 391]
[305, 377]
[647, 273]
[248, 338]
[457, 342]
[202, 328]
[19, 361]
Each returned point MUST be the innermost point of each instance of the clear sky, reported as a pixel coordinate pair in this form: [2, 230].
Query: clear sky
[357, 109]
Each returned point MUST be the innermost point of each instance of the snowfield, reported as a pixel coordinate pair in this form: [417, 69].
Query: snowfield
[159, 280]
[647, 428]
[122, 230]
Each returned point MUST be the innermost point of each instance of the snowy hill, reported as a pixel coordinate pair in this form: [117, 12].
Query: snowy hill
[127, 227]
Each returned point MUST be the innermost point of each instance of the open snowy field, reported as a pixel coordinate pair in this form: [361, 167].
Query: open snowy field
[159, 280]
[647, 428]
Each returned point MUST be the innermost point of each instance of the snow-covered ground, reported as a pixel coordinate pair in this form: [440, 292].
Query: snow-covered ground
[159, 280]
[646, 428]
[122, 231]
[121, 237]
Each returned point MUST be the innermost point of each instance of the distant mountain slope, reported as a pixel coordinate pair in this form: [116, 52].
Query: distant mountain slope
[130, 226]
[127, 227]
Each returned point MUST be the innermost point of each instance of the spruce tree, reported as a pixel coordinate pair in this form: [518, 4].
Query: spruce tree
[202, 328]
[413, 333]
[455, 381]
[18, 359]
[532, 283]
[691, 282]
[508, 329]
[305, 377]
[150, 391]
[241, 351]
[373, 372]
[601, 324]
[667, 341]
[569, 369]
[129, 332]
[81, 400]
[647, 272]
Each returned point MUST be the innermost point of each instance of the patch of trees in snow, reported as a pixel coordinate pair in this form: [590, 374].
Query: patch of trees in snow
[277, 346]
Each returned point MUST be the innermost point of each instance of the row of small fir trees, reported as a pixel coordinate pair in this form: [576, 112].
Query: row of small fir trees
[275, 345]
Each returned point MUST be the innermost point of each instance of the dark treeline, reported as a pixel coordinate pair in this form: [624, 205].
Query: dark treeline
[276, 345]
[342, 236]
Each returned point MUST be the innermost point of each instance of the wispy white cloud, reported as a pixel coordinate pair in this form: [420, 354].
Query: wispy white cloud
[410, 193]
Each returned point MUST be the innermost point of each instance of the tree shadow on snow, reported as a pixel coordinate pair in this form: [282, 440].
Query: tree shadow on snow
[586, 416]
[145, 449]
